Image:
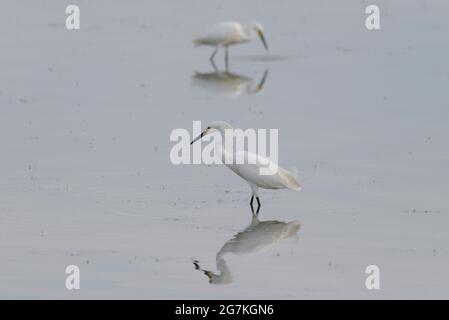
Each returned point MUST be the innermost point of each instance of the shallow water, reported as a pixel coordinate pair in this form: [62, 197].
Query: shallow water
[85, 176]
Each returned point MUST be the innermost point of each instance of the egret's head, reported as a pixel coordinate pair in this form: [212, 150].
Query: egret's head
[223, 278]
[257, 28]
[213, 126]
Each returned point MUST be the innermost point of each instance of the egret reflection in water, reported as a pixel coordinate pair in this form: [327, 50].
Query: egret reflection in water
[226, 83]
[257, 237]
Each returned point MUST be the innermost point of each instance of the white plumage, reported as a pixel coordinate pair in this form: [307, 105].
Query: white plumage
[226, 34]
[250, 169]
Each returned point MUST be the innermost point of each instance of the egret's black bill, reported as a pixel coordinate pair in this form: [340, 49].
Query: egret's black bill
[198, 138]
[263, 40]
[262, 81]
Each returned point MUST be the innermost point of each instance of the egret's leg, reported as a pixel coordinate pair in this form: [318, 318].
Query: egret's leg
[251, 203]
[258, 205]
[253, 212]
[226, 59]
[212, 62]
[213, 55]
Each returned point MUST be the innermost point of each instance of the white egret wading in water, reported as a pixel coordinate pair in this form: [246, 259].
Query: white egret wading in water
[252, 165]
[226, 34]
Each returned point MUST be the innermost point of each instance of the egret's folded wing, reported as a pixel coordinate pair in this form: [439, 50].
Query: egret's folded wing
[222, 33]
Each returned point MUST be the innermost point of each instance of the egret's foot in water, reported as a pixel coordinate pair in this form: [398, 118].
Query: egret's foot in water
[258, 204]
[213, 56]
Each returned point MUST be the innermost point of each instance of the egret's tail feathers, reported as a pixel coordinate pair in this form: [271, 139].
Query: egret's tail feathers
[290, 179]
[292, 228]
[294, 172]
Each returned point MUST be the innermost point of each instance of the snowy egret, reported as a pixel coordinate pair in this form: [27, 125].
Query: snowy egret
[257, 237]
[228, 84]
[226, 34]
[250, 169]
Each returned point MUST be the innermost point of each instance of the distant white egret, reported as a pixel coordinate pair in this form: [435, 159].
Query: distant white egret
[250, 169]
[226, 34]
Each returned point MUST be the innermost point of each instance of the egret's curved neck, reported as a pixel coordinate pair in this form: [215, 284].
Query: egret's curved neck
[222, 266]
[222, 153]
